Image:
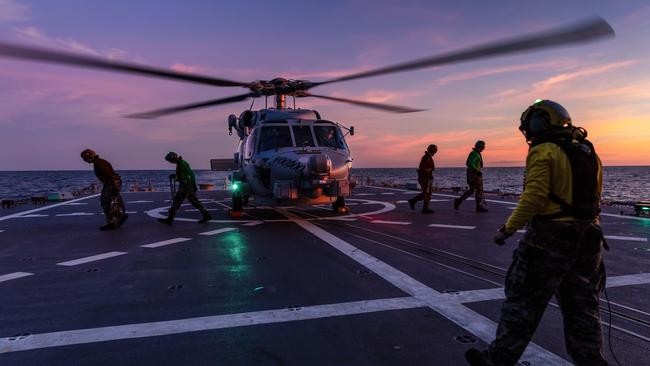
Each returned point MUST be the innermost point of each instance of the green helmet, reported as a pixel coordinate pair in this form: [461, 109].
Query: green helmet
[542, 116]
[171, 157]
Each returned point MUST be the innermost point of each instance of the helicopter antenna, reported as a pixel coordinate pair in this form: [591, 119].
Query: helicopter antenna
[294, 101]
[252, 103]
[266, 102]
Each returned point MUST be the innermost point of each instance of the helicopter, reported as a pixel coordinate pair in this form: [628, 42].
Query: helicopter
[294, 156]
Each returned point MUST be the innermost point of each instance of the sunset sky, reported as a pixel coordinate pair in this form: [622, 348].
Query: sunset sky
[49, 113]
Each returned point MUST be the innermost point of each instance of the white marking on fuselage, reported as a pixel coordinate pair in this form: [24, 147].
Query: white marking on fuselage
[391, 222]
[92, 258]
[453, 226]
[162, 328]
[477, 324]
[13, 276]
[627, 238]
[218, 231]
[76, 214]
[21, 214]
[165, 242]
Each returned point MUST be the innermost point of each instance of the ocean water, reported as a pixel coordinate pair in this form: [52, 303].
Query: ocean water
[620, 183]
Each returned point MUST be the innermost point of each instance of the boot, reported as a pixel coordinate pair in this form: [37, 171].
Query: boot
[412, 204]
[457, 203]
[206, 218]
[166, 221]
[477, 358]
[427, 210]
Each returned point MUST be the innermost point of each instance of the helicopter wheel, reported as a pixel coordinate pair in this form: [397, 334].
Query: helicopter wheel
[237, 205]
[339, 206]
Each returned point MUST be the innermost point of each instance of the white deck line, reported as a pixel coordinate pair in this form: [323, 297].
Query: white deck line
[161, 328]
[13, 276]
[390, 222]
[497, 293]
[453, 226]
[165, 242]
[218, 231]
[75, 214]
[477, 324]
[92, 258]
[255, 223]
[140, 201]
[628, 238]
[19, 214]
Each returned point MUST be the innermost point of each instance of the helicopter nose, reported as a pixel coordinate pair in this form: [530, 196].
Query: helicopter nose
[319, 165]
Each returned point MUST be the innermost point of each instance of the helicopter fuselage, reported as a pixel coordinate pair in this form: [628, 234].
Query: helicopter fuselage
[290, 157]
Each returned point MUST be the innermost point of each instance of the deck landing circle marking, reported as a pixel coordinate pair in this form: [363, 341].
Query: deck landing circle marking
[161, 213]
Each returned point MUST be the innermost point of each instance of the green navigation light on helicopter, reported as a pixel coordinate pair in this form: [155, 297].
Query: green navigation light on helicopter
[235, 186]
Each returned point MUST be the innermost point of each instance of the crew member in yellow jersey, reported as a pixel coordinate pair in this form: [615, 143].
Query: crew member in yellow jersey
[561, 251]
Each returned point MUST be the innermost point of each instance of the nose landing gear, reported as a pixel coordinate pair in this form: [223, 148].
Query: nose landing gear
[340, 207]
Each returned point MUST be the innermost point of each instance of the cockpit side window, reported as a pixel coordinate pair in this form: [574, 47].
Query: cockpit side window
[329, 136]
[274, 137]
[303, 136]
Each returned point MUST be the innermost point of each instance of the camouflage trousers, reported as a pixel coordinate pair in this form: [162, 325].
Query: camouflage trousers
[110, 190]
[427, 188]
[561, 259]
[183, 193]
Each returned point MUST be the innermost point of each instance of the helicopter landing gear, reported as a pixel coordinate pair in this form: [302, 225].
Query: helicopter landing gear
[237, 205]
[340, 207]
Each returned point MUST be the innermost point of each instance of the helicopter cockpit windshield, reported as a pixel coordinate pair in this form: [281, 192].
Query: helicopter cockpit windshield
[303, 136]
[329, 136]
[275, 137]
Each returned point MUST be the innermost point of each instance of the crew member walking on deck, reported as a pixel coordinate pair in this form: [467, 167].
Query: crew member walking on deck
[561, 251]
[111, 186]
[474, 177]
[425, 178]
[187, 189]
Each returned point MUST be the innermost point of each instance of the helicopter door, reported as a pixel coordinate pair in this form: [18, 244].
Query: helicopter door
[249, 148]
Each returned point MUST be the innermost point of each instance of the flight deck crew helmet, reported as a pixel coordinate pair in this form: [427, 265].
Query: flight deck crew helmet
[542, 116]
[171, 157]
[88, 155]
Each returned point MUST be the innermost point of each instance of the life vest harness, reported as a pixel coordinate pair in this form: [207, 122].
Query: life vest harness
[584, 171]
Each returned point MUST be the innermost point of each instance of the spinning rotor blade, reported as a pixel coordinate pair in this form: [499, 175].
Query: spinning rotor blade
[383, 107]
[576, 33]
[186, 107]
[68, 58]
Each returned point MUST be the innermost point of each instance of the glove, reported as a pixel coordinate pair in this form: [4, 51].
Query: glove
[501, 235]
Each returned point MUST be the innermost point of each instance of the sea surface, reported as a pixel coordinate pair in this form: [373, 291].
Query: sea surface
[620, 183]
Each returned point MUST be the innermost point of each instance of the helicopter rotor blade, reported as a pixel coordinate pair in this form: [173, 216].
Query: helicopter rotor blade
[380, 106]
[580, 32]
[186, 107]
[69, 58]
